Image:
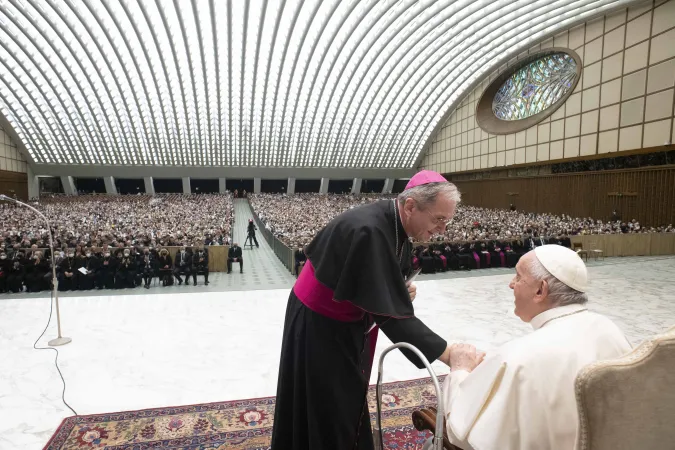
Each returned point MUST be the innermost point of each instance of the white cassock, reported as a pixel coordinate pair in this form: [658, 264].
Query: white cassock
[521, 397]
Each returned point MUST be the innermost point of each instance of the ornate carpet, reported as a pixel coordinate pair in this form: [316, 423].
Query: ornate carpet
[241, 424]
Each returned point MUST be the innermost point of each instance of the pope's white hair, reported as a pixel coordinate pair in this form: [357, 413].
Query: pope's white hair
[559, 293]
[426, 194]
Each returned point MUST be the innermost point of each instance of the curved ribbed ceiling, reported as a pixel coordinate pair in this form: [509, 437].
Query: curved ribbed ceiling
[285, 83]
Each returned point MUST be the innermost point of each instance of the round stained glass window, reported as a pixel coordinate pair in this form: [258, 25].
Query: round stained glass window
[535, 87]
[529, 91]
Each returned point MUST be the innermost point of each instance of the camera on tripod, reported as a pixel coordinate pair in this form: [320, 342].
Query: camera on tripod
[251, 239]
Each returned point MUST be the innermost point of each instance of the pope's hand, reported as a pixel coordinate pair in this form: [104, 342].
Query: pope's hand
[465, 357]
[412, 291]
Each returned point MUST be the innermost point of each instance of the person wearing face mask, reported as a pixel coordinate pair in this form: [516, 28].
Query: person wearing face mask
[90, 263]
[5, 265]
[68, 272]
[137, 259]
[183, 266]
[148, 267]
[200, 264]
[105, 275]
[126, 271]
[37, 269]
[165, 267]
[17, 272]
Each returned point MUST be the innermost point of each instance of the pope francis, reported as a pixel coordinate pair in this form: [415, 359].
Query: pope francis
[521, 396]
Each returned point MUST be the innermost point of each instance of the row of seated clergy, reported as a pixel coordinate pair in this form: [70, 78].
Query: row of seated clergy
[124, 269]
[440, 257]
[521, 395]
[128, 268]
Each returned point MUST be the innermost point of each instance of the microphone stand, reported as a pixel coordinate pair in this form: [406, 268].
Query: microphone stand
[60, 340]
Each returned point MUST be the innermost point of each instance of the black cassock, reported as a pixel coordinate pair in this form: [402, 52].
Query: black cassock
[354, 276]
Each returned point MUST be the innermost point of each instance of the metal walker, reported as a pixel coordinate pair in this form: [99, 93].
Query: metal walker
[435, 443]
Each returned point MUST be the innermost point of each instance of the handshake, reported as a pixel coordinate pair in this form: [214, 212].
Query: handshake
[464, 357]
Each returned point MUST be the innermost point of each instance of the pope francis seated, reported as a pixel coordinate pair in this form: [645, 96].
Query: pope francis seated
[521, 396]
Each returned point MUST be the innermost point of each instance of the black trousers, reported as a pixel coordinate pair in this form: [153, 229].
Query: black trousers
[125, 279]
[35, 282]
[147, 276]
[253, 239]
[239, 260]
[67, 283]
[87, 282]
[185, 270]
[166, 276]
[15, 282]
[203, 270]
[105, 278]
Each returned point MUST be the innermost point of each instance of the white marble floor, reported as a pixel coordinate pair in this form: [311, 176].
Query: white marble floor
[142, 351]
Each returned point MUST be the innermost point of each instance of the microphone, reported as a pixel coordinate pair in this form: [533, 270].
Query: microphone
[60, 340]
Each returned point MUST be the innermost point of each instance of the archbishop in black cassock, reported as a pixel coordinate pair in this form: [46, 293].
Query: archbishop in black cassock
[354, 278]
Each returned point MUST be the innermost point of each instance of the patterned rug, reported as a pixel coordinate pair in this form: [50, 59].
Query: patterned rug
[241, 424]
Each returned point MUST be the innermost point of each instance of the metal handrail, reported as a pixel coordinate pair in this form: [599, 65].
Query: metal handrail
[438, 436]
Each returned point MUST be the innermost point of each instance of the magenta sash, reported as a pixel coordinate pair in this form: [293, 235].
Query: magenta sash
[416, 263]
[445, 261]
[477, 258]
[319, 298]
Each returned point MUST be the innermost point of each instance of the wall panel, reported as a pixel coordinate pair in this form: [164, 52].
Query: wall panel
[14, 184]
[648, 195]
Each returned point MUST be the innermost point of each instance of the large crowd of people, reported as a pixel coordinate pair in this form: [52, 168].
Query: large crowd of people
[105, 241]
[111, 241]
[296, 219]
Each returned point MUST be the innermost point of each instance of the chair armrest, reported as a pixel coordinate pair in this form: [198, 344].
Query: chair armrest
[425, 420]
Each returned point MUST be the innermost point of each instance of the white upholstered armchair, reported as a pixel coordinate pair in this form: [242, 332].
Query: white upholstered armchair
[629, 403]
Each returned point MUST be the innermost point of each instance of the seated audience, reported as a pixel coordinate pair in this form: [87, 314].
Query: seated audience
[130, 220]
[37, 273]
[5, 265]
[67, 274]
[476, 238]
[165, 267]
[88, 267]
[126, 270]
[105, 275]
[521, 396]
[200, 264]
[234, 255]
[183, 265]
[148, 267]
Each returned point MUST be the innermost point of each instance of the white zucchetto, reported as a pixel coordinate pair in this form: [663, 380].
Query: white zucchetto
[564, 264]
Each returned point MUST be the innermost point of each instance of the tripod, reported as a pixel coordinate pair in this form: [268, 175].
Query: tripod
[249, 240]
